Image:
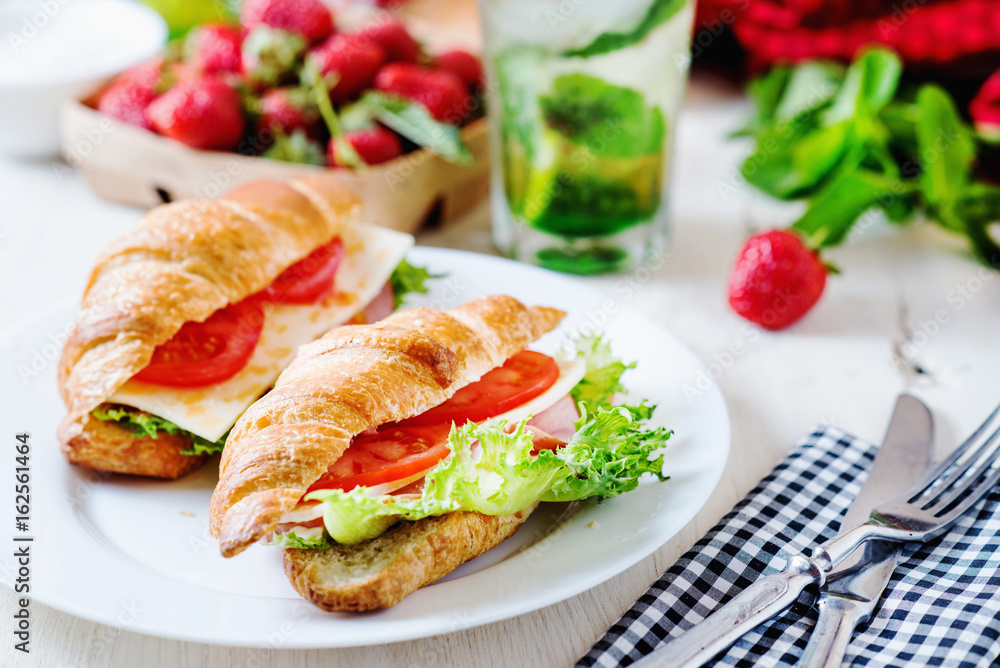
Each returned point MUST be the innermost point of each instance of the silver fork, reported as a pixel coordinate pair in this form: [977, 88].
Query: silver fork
[922, 512]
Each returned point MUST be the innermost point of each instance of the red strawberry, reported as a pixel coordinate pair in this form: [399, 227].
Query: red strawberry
[776, 279]
[202, 113]
[309, 18]
[392, 36]
[464, 64]
[443, 93]
[128, 98]
[145, 74]
[985, 108]
[374, 146]
[288, 109]
[214, 48]
[127, 102]
[354, 60]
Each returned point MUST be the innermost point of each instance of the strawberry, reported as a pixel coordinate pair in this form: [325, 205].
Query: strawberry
[464, 64]
[214, 48]
[352, 59]
[392, 36]
[288, 109]
[443, 93]
[146, 74]
[127, 102]
[128, 98]
[202, 113]
[309, 18]
[776, 280]
[985, 108]
[374, 146]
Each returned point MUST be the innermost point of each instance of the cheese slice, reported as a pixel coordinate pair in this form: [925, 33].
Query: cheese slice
[371, 254]
[571, 372]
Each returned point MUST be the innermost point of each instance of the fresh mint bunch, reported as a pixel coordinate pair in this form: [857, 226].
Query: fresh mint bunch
[848, 141]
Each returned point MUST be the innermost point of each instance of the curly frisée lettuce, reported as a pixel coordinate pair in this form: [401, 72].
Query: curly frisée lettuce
[142, 423]
[611, 450]
[603, 379]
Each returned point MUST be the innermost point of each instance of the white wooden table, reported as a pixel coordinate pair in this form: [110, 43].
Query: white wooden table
[908, 292]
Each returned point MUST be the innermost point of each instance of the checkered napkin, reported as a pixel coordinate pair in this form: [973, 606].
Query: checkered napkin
[941, 608]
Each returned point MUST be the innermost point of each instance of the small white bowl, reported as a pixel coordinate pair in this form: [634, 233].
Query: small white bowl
[51, 50]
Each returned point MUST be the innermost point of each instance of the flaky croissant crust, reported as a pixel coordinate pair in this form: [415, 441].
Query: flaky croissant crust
[183, 262]
[354, 378]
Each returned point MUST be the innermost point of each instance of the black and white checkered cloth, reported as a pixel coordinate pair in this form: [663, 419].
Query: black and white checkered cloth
[941, 608]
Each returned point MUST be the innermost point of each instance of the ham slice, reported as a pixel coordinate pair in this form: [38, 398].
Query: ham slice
[382, 306]
[557, 420]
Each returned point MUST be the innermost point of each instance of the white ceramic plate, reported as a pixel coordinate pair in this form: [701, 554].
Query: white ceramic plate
[137, 553]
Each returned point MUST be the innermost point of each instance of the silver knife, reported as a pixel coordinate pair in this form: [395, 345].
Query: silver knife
[899, 457]
[852, 590]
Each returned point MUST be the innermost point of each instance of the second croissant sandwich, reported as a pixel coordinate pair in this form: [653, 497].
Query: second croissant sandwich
[389, 454]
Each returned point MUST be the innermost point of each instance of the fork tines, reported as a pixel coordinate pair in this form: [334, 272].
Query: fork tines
[950, 487]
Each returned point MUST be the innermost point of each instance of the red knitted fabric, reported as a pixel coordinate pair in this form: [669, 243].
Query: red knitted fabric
[923, 32]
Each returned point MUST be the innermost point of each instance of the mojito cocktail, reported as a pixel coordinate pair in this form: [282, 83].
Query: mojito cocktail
[583, 102]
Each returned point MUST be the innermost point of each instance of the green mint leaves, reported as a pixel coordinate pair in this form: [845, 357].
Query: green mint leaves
[413, 121]
[852, 141]
[658, 13]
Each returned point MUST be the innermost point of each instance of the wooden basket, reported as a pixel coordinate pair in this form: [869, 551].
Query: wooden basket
[131, 165]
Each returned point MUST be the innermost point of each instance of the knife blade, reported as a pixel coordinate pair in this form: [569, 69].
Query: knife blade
[773, 593]
[853, 589]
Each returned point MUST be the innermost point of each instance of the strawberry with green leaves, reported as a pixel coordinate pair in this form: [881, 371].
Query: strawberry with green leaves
[128, 98]
[203, 113]
[442, 93]
[374, 146]
[392, 36]
[311, 19]
[348, 63]
[215, 48]
[463, 64]
[288, 109]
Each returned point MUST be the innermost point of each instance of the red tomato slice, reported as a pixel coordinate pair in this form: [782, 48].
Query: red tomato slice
[310, 279]
[203, 353]
[386, 454]
[396, 451]
[521, 378]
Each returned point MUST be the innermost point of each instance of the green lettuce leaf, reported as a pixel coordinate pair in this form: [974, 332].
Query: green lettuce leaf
[146, 424]
[602, 381]
[611, 450]
[292, 541]
[407, 279]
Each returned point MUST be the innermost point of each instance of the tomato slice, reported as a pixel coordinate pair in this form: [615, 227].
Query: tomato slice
[310, 279]
[385, 454]
[203, 353]
[399, 450]
[521, 378]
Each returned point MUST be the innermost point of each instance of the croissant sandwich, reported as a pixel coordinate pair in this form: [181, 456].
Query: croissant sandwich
[192, 315]
[388, 454]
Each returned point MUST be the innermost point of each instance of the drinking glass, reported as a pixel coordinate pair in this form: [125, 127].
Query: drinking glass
[583, 99]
